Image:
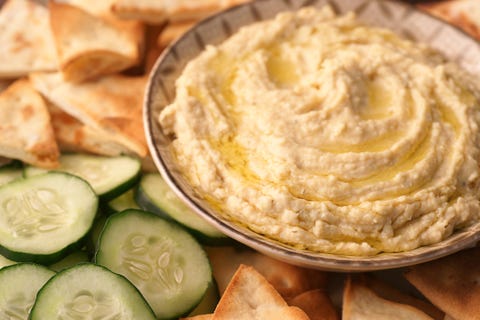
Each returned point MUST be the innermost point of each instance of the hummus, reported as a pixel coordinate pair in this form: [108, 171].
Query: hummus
[328, 135]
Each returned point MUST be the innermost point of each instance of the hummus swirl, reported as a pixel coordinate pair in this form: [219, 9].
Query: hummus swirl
[329, 135]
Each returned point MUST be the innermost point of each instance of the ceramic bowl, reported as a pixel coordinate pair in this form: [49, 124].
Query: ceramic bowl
[402, 18]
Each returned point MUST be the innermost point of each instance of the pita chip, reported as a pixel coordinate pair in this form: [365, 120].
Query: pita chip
[465, 14]
[173, 31]
[26, 40]
[250, 296]
[451, 283]
[316, 304]
[74, 136]
[90, 46]
[158, 11]
[152, 50]
[361, 303]
[287, 279]
[111, 105]
[25, 130]
[93, 7]
[389, 292]
[4, 84]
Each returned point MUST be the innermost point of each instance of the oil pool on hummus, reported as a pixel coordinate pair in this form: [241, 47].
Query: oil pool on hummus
[329, 135]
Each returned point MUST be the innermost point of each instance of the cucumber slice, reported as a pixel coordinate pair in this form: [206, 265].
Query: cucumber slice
[154, 195]
[159, 257]
[43, 218]
[108, 176]
[88, 291]
[122, 202]
[20, 284]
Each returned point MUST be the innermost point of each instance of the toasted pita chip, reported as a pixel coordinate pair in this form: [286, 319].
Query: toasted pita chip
[90, 46]
[74, 136]
[110, 105]
[386, 291]
[451, 283]
[316, 304]
[26, 40]
[359, 302]
[25, 130]
[287, 279]
[173, 31]
[93, 7]
[465, 14]
[250, 296]
[148, 165]
[4, 84]
[158, 11]
[152, 50]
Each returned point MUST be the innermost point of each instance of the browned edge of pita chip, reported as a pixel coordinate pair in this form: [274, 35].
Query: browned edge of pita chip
[451, 283]
[26, 132]
[4, 84]
[96, 64]
[120, 117]
[151, 15]
[360, 302]
[287, 279]
[449, 11]
[157, 12]
[152, 50]
[148, 165]
[91, 59]
[316, 304]
[250, 296]
[74, 136]
[173, 31]
[386, 291]
[197, 10]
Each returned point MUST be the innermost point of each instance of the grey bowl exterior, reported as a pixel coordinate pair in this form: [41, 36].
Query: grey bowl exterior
[402, 18]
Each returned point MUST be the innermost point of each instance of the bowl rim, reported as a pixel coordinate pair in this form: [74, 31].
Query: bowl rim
[459, 240]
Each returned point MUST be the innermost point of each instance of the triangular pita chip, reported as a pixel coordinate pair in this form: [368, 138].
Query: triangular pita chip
[93, 7]
[25, 130]
[158, 11]
[361, 303]
[26, 41]
[250, 296]
[389, 292]
[462, 13]
[152, 50]
[287, 279]
[173, 31]
[74, 136]
[4, 84]
[451, 283]
[316, 304]
[111, 105]
[89, 46]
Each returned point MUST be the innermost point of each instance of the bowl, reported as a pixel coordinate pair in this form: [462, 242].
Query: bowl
[402, 18]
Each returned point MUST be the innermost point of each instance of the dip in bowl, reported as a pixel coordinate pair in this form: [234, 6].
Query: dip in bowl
[319, 136]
